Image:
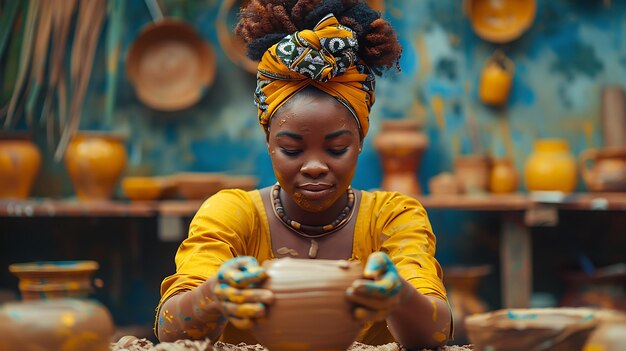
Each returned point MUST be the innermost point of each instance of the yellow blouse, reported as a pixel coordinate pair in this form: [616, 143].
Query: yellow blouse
[234, 223]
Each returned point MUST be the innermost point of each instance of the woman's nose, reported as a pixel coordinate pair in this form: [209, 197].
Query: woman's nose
[314, 168]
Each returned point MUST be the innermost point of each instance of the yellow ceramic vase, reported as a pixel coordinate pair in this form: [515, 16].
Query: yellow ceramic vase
[20, 161]
[95, 162]
[551, 167]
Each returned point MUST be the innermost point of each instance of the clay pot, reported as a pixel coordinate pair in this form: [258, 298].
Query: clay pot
[613, 116]
[400, 144]
[20, 160]
[95, 162]
[54, 279]
[473, 171]
[310, 311]
[545, 329]
[503, 178]
[444, 184]
[551, 167]
[608, 172]
[607, 337]
[55, 314]
[496, 80]
[55, 325]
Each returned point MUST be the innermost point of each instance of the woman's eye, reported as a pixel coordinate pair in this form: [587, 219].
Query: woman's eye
[338, 152]
[290, 152]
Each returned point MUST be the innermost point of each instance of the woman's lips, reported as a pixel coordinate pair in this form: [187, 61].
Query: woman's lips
[316, 191]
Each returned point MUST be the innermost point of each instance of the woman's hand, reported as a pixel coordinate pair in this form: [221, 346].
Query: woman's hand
[238, 291]
[378, 293]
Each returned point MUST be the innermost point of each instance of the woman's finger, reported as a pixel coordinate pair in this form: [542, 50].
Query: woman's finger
[365, 314]
[369, 301]
[228, 293]
[245, 310]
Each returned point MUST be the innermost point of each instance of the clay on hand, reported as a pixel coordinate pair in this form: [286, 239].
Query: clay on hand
[241, 300]
[377, 293]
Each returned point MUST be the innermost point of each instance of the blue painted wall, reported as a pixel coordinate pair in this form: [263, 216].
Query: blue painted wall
[562, 61]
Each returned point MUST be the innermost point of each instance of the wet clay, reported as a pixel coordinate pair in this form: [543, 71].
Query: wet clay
[131, 343]
[310, 311]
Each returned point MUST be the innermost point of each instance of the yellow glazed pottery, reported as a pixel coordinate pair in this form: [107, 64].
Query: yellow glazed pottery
[504, 178]
[95, 162]
[496, 80]
[20, 161]
[551, 167]
[500, 21]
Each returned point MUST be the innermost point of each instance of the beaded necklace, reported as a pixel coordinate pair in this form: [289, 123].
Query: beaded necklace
[311, 231]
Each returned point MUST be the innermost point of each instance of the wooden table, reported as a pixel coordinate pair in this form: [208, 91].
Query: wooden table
[518, 213]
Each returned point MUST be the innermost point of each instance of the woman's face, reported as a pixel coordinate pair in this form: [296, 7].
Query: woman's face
[314, 145]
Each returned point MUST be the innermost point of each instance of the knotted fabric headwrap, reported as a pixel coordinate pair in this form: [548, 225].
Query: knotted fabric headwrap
[326, 58]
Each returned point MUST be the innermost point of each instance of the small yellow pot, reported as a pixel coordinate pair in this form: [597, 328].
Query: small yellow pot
[496, 80]
[20, 160]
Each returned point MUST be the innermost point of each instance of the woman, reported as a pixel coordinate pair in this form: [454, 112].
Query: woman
[315, 88]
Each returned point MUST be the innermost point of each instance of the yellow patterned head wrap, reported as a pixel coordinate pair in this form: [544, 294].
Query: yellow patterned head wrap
[326, 58]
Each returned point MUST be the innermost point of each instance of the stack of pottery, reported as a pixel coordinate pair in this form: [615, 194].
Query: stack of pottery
[56, 313]
[605, 169]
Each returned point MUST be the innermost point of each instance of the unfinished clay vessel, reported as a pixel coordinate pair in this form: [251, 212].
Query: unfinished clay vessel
[310, 311]
[54, 279]
[545, 329]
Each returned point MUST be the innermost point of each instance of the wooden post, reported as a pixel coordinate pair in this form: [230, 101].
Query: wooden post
[516, 261]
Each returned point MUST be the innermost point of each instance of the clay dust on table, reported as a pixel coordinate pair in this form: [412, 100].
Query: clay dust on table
[131, 343]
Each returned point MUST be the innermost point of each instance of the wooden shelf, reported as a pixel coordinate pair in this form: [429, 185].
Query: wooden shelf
[187, 208]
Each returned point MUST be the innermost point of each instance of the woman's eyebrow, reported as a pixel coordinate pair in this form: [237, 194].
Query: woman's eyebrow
[337, 133]
[289, 134]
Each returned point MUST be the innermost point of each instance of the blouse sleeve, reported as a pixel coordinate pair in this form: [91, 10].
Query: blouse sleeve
[406, 235]
[217, 233]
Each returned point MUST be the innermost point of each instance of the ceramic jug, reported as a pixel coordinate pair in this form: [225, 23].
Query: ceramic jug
[551, 167]
[56, 313]
[401, 144]
[20, 161]
[496, 80]
[315, 289]
[608, 170]
[95, 162]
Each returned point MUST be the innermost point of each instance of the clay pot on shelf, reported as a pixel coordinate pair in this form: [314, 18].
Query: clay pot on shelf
[95, 161]
[473, 171]
[444, 184]
[496, 80]
[20, 161]
[503, 178]
[608, 170]
[400, 145]
[551, 167]
[315, 289]
[56, 313]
